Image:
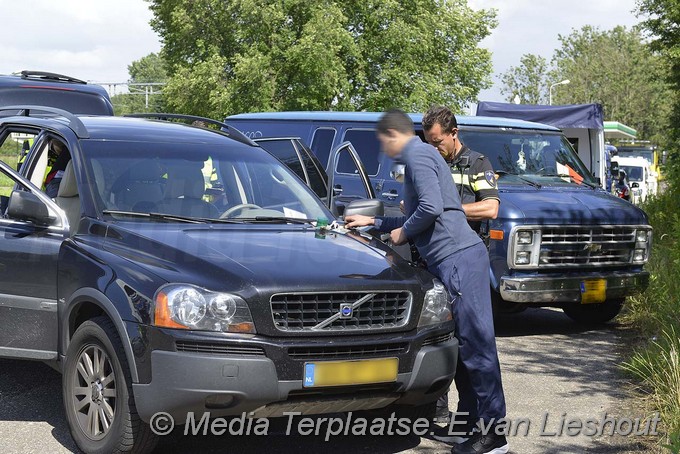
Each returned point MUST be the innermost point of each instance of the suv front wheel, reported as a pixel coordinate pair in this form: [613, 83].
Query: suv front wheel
[97, 392]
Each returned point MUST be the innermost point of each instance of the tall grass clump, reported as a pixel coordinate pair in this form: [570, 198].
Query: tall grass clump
[656, 316]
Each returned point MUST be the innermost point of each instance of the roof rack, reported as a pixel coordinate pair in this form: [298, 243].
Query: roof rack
[42, 75]
[225, 129]
[39, 112]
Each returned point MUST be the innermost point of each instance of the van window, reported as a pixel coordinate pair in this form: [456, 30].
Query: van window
[316, 180]
[367, 146]
[322, 142]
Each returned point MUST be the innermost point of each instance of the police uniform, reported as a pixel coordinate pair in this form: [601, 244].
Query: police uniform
[475, 179]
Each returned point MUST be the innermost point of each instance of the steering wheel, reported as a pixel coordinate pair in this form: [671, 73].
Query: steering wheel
[240, 206]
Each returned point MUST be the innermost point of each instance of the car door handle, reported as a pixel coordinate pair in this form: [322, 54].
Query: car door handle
[390, 195]
[337, 189]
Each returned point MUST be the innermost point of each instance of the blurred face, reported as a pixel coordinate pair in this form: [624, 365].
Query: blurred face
[444, 142]
[389, 143]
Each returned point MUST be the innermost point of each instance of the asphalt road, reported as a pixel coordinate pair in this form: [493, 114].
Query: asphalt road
[552, 371]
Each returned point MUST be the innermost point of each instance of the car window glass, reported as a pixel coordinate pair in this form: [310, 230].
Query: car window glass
[196, 180]
[546, 156]
[367, 146]
[285, 151]
[322, 142]
[317, 181]
[13, 152]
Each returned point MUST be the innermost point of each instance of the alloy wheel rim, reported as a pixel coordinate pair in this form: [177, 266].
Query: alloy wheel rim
[94, 392]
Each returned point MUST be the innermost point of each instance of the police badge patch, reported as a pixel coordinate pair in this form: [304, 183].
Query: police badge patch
[490, 178]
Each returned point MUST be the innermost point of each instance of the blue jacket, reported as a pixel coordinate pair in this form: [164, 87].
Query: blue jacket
[435, 219]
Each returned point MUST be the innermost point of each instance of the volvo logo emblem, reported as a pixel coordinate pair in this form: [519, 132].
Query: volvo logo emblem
[346, 310]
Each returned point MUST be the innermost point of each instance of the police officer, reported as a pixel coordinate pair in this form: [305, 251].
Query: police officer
[472, 172]
[434, 220]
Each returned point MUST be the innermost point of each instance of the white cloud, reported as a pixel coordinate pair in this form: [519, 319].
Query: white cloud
[91, 40]
[533, 26]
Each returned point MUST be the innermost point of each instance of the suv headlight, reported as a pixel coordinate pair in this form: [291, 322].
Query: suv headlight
[436, 306]
[186, 306]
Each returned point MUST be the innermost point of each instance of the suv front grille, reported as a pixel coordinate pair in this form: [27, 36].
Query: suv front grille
[321, 312]
[582, 246]
[354, 351]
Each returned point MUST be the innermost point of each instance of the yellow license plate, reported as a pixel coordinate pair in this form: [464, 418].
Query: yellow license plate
[593, 291]
[360, 372]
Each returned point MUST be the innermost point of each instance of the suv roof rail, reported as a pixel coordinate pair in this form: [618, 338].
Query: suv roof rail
[229, 131]
[32, 111]
[42, 75]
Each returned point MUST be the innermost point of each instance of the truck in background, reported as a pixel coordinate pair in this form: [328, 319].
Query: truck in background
[650, 152]
[559, 239]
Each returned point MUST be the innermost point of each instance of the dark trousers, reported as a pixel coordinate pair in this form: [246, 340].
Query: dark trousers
[478, 376]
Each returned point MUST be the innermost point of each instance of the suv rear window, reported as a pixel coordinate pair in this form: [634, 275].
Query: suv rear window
[61, 98]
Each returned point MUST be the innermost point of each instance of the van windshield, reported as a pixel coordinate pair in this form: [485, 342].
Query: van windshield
[546, 158]
[200, 181]
[634, 173]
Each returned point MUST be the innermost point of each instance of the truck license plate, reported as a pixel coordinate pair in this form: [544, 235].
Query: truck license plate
[341, 373]
[593, 291]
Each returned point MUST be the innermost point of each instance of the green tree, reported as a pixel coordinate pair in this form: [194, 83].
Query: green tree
[148, 69]
[230, 56]
[663, 22]
[528, 81]
[617, 69]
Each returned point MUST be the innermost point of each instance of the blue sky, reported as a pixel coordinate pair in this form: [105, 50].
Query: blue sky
[96, 40]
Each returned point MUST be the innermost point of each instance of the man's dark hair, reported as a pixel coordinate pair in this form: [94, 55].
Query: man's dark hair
[395, 119]
[440, 115]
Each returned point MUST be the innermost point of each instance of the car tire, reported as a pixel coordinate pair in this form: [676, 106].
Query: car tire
[97, 393]
[593, 314]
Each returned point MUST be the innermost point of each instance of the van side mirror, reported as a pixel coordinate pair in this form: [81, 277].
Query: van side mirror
[365, 207]
[26, 206]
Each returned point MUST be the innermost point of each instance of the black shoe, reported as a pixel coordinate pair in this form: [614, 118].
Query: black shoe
[479, 443]
[456, 432]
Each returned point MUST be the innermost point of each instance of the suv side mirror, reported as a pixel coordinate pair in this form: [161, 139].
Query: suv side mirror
[366, 207]
[26, 206]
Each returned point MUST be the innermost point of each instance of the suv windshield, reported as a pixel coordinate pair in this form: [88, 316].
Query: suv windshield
[544, 157]
[199, 181]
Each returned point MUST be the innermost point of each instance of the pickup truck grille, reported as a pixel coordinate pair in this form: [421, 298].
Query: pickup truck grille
[584, 246]
[323, 312]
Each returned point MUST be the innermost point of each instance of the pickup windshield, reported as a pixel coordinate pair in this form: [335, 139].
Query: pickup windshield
[542, 157]
[184, 181]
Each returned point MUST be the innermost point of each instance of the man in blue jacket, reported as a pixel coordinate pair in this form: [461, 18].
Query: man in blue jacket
[436, 223]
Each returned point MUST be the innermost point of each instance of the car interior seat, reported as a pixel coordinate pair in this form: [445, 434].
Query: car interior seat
[68, 198]
[184, 192]
[140, 188]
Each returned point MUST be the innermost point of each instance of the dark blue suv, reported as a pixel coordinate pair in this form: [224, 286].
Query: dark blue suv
[182, 269]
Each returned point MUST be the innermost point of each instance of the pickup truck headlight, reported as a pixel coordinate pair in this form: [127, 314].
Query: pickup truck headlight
[643, 245]
[186, 306]
[436, 306]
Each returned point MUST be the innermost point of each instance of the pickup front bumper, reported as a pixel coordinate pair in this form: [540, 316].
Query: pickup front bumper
[567, 289]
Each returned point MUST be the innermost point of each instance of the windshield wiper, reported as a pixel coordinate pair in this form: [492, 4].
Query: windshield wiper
[526, 180]
[563, 175]
[157, 216]
[278, 219]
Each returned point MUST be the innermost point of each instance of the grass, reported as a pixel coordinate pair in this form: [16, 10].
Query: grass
[6, 184]
[656, 362]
